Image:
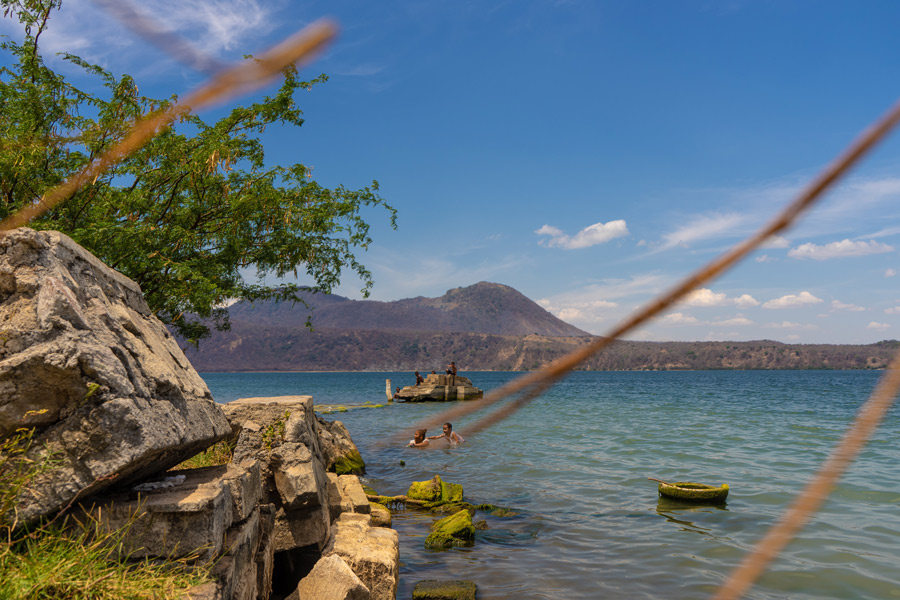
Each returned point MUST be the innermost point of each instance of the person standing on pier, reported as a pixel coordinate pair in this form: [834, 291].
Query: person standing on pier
[451, 371]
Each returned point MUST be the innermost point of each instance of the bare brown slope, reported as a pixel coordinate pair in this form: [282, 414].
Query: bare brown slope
[485, 307]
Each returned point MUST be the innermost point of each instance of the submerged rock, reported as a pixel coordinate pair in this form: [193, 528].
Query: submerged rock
[455, 530]
[431, 589]
[436, 491]
[85, 362]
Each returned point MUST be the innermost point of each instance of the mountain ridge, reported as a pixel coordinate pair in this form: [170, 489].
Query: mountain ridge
[486, 326]
[484, 307]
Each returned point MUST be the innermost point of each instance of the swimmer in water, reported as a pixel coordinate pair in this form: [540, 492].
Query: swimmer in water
[453, 438]
[420, 441]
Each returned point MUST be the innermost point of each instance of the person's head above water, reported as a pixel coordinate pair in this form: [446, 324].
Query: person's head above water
[448, 427]
[420, 434]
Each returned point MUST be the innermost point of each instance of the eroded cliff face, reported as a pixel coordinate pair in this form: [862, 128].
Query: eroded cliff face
[85, 362]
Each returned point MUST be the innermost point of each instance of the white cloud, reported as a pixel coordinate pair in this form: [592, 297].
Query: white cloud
[837, 305]
[878, 326]
[746, 301]
[703, 297]
[890, 272]
[765, 258]
[790, 325]
[886, 232]
[839, 250]
[702, 228]
[894, 310]
[775, 242]
[580, 313]
[678, 319]
[598, 233]
[793, 301]
[732, 322]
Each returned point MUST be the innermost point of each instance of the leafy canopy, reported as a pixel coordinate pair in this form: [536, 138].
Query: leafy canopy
[185, 213]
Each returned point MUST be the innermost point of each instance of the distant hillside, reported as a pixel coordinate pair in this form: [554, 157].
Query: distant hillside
[278, 349]
[480, 308]
[486, 326]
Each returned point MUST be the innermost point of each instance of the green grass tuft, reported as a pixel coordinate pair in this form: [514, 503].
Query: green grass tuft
[53, 561]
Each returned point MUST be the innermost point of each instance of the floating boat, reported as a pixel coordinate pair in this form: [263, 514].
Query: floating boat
[687, 491]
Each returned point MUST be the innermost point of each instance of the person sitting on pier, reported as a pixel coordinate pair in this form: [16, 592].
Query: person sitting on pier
[397, 394]
[419, 378]
[453, 438]
[419, 441]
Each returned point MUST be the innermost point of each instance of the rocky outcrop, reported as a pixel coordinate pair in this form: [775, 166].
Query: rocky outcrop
[81, 357]
[274, 500]
[437, 388]
[111, 398]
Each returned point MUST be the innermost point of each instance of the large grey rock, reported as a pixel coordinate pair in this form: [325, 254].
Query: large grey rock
[339, 453]
[372, 552]
[346, 494]
[282, 432]
[84, 360]
[438, 388]
[332, 579]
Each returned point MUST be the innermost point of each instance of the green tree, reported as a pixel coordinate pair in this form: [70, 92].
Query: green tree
[188, 211]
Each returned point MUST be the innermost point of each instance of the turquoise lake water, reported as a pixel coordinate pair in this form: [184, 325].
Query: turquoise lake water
[574, 464]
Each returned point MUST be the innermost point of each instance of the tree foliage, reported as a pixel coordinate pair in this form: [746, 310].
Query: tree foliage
[188, 211]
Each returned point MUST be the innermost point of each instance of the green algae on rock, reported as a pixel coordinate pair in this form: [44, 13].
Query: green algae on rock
[455, 530]
[431, 589]
[350, 464]
[435, 490]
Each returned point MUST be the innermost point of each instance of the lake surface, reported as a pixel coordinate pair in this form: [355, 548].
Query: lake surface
[574, 464]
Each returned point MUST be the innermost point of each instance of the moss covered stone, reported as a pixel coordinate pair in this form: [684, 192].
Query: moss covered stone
[430, 491]
[455, 530]
[436, 491]
[350, 464]
[380, 515]
[444, 590]
[451, 492]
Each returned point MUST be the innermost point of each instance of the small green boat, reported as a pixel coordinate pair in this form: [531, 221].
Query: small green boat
[694, 492]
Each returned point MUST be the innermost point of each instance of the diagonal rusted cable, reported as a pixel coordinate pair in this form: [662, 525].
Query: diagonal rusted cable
[242, 78]
[816, 491]
[531, 385]
[870, 415]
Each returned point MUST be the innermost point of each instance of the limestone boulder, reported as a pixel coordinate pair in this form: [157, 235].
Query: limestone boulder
[332, 579]
[85, 362]
[373, 553]
[185, 514]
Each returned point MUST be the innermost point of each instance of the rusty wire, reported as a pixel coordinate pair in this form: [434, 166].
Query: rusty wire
[532, 385]
[239, 79]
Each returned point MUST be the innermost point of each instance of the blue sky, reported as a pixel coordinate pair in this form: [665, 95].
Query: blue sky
[588, 154]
